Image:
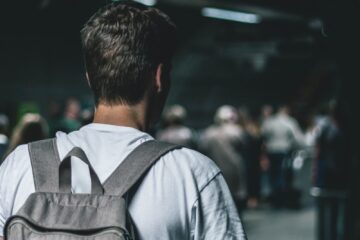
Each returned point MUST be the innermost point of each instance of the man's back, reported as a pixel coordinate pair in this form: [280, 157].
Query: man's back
[183, 196]
[281, 133]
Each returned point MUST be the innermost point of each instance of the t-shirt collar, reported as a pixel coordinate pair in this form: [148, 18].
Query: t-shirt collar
[110, 128]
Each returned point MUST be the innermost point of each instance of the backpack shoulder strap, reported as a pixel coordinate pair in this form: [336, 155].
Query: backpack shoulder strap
[45, 162]
[135, 166]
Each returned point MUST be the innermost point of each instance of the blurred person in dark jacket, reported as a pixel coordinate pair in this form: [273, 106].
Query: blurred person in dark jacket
[4, 141]
[175, 131]
[223, 142]
[252, 150]
[330, 175]
[32, 127]
[330, 167]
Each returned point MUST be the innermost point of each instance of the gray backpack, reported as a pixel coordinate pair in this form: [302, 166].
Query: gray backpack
[53, 212]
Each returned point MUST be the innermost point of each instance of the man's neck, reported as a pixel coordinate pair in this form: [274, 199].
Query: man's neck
[122, 115]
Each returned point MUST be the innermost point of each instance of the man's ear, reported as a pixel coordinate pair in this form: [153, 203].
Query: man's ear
[159, 78]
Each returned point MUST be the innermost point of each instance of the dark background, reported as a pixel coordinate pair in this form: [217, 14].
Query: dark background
[218, 62]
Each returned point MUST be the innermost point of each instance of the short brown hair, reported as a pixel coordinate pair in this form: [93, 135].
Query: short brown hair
[123, 44]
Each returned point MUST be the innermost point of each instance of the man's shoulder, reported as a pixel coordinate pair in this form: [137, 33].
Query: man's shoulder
[190, 164]
[16, 165]
[16, 175]
[192, 158]
[17, 159]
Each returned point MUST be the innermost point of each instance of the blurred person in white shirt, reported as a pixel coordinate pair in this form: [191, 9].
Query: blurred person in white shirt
[175, 130]
[282, 135]
[223, 142]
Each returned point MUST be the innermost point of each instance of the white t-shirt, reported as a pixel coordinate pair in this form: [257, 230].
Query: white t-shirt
[282, 133]
[184, 196]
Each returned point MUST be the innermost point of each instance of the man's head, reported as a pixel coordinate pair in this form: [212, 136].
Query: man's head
[128, 49]
[284, 109]
[226, 114]
[175, 115]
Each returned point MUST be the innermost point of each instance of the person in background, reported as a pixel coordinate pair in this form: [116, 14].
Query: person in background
[252, 149]
[175, 131]
[266, 112]
[282, 135]
[4, 141]
[32, 127]
[223, 142]
[54, 117]
[330, 175]
[71, 122]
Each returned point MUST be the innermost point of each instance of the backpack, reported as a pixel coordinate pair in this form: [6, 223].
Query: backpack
[53, 212]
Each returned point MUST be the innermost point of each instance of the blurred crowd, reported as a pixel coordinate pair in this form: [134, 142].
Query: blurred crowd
[257, 153]
[32, 126]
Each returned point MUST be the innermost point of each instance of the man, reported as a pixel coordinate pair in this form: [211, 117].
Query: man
[222, 142]
[175, 130]
[128, 49]
[282, 135]
[330, 173]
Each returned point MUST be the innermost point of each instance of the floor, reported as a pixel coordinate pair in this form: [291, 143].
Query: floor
[280, 224]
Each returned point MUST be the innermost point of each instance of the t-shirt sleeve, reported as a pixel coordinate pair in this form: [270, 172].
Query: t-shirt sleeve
[214, 215]
[5, 177]
[15, 183]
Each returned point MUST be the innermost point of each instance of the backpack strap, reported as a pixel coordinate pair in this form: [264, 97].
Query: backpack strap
[135, 166]
[45, 162]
